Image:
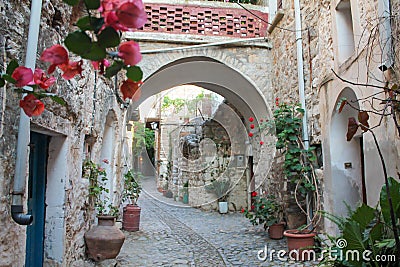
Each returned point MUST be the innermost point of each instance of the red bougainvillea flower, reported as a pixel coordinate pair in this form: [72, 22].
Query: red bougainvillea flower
[71, 69]
[131, 14]
[106, 161]
[261, 120]
[56, 55]
[277, 102]
[130, 89]
[251, 134]
[243, 210]
[254, 194]
[101, 65]
[22, 76]
[252, 207]
[129, 52]
[261, 142]
[251, 119]
[31, 105]
[123, 15]
[40, 78]
[252, 126]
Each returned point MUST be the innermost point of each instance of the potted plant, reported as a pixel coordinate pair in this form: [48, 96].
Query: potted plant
[131, 212]
[221, 189]
[267, 211]
[298, 169]
[104, 240]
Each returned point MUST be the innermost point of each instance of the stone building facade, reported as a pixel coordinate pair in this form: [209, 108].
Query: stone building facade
[348, 38]
[91, 125]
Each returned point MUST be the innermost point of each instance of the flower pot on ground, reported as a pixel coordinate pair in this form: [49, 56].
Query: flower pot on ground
[275, 231]
[300, 243]
[266, 210]
[104, 240]
[220, 188]
[131, 212]
[223, 207]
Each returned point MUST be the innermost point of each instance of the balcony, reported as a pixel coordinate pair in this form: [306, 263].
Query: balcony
[206, 18]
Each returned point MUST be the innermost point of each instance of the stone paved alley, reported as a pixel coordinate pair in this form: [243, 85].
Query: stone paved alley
[172, 235]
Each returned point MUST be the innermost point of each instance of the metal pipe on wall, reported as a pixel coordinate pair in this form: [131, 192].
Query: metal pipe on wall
[21, 165]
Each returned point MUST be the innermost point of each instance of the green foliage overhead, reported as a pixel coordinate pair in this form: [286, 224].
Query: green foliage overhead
[108, 38]
[134, 73]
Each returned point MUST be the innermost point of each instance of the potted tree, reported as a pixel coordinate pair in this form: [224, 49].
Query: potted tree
[104, 240]
[267, 211]
[131, 212]
[220, 188]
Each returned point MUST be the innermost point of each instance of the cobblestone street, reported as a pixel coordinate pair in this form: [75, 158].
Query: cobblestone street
[175, 235]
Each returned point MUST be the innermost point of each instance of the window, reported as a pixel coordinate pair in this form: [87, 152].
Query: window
[345, 34]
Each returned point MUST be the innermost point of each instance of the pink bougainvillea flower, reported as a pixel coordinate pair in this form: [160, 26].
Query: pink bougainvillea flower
[251, 134]
[261, 142]
[252, 126]
[129, 52]
[31, 105]
[261, 120]
[123, 15]
[71, 69]
[106, 161]
[40, 78]
[254, 194]
[131, 14]
[251, 119]
[22, 76]
[130, 89]
[101, 65]
[56, 55]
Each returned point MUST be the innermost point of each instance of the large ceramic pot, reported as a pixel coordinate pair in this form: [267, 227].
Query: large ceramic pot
[300, 244]
[131, 218]
[104, 240]
[275, 231]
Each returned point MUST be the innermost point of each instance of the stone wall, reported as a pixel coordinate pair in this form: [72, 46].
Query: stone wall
[68, 124]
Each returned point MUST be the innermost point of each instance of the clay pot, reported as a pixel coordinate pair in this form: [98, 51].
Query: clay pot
[104, 240]
[299, 244]
[275, 231]
[131, 218]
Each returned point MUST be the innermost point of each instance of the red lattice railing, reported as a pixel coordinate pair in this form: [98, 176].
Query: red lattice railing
[198, 20]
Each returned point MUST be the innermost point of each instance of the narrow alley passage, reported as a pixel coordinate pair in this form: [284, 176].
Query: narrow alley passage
[172, 235]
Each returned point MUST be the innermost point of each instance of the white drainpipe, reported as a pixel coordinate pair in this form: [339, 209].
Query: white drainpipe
[300, 76]
[21, 166]
[385, 32]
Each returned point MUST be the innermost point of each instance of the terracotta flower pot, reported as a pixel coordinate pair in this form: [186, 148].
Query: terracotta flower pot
[131, 218]
[275, 231]
[300, 244]
[104, 240]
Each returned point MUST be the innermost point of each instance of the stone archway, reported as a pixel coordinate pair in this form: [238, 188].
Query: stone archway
[228, 82]
[346, 159]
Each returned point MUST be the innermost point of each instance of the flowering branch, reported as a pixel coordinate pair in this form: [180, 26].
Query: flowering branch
[97, 38]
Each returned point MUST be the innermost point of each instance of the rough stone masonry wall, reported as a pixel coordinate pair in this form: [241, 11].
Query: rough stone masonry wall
[72, 121]
[317, 61]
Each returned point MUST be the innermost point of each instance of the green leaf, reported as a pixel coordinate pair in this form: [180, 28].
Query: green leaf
[92, 4]
[394, 189]
[113, 69]
[96, 53]
[363, 215]
[71, 2]
[11, 67]
[90, 23]
[8, 78]
[134, 73]
[108, 37]
[78, 42]
[58, 100]
[2, 82]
